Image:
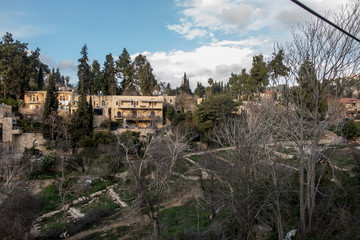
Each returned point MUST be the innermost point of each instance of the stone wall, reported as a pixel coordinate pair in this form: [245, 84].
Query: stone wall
[28, 140]
[143, 131]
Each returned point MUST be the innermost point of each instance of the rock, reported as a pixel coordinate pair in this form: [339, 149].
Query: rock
[75, 213]
[66, 207]
[290, 234]
[116, 198]
[330, 138]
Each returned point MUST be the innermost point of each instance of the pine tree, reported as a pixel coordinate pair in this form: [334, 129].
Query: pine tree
[259, 73]
[98, 78]
[81, 123]
[200, 90]
[144, 76]
[110, 76]
[50, 109]
[17, 67]
[84, 72]
[276, 65]
[185, 86]
[125, 70]
[40, 79]
[91, 116]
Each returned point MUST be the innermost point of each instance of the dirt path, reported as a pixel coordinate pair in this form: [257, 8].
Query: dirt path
[139, 221]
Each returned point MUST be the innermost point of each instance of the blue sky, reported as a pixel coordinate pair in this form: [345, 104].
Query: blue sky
[204, 38]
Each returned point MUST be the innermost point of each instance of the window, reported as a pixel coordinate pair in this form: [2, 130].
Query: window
[30, 98]
[170, 100]
[37, 98]
[118, 114]
[103, 103]
[152, 114]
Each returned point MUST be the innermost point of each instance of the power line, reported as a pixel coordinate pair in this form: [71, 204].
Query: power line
[324, 19]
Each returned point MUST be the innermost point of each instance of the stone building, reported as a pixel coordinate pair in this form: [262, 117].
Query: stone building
[34, 103]
[5, 111]
[129, 111]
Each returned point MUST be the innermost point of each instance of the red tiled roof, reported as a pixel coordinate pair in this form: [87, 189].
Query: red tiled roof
[348, 100]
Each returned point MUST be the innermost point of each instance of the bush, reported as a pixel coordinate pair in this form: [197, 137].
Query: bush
[348, 129]
[10, 101]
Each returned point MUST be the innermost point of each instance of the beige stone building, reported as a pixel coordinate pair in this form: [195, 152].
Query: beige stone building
[34, 103]
[129, 111]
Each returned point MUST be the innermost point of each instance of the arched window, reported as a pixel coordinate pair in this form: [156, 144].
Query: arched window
[118, 114]
[103, 103]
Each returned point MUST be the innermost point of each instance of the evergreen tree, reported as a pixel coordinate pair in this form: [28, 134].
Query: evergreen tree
[81, 122]
[276, 65]
[259, 74]
[110, 76]
[200, 90]
[185, 86]
[303, 93]
[91, 115]
[125, 71]
[50, 109]
[40, 79]
[168, 90]
[17, 66]
[98, 78]
[212, 109]
[240, 84]
[84, 72]
[144, 76]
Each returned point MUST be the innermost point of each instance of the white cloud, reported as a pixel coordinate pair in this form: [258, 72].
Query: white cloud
[68, 65]
[240, 17]
[215, 61]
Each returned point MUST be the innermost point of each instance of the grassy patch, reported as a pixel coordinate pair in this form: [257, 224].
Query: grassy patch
[195, 158]
[51, 223]
[50, 197]
[341, 157]
[99, 185]
[101, 202]
[176, 220]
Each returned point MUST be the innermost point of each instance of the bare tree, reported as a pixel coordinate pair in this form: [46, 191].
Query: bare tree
[13, 169]
[322, 62]
[151, 167]
[246, 181]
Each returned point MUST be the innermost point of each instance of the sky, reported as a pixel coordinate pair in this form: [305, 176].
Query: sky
[204, 38]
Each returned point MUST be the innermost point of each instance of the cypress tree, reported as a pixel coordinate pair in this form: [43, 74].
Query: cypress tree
[82, 120]
[50, 108]
[84, 72]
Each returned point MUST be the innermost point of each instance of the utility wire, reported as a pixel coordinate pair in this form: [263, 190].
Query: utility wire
[324, 19]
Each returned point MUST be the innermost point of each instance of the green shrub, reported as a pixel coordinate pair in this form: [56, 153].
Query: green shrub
[348, 129]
